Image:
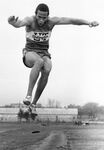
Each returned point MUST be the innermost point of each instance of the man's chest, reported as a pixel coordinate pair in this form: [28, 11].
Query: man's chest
[38, 36]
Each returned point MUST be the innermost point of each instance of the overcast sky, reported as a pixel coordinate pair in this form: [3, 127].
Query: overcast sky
[77, 76]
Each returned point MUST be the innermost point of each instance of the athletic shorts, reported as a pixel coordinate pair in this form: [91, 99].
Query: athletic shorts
[41, 53]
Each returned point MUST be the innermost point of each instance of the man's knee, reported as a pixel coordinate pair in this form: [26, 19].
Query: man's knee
[39, 62]
[45, 72]
[47, 69]
[47, 65]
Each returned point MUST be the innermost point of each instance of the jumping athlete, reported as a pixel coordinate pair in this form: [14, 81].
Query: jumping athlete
[35, 53]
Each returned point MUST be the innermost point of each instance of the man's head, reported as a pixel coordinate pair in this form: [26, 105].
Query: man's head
[42, 12]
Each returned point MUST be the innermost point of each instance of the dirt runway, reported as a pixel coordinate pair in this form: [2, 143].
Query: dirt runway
[31, 136]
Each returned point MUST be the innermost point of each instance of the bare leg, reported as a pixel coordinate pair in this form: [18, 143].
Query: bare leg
[43, 79]
[33, 77]
[33, 60]
[40, 87]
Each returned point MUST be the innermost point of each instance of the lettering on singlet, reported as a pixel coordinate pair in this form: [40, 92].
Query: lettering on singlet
[38, 36]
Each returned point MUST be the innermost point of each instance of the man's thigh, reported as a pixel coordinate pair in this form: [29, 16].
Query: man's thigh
[31, 58]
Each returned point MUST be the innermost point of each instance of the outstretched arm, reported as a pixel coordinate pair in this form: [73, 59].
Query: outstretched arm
[14, 21]
[65, 20]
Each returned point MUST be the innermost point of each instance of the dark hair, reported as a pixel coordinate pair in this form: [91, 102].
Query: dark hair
[42, 7]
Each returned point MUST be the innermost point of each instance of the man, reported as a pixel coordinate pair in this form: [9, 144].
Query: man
[35, 53]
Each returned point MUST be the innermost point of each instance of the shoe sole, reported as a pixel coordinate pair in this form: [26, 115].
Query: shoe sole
[26, 103]
[34, 114]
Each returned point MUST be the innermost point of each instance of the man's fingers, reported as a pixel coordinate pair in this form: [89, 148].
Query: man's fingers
[11, 18]
[93, 24]
[16, 18]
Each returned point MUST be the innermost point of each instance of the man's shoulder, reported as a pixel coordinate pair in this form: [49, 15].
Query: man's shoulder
[54, 20]
[29, 19]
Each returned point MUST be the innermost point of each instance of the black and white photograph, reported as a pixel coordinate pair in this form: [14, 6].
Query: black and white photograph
[52, 75]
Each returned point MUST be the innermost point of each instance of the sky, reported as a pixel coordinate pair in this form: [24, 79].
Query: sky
[77, 75]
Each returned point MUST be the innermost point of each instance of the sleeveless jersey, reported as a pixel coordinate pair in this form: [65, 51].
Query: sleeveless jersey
[37, 37]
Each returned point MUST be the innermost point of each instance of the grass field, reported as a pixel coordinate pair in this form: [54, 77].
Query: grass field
[26, 136]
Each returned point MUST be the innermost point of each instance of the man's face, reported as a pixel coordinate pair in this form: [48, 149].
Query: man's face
[41, 17]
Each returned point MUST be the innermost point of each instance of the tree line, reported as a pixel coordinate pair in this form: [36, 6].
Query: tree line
[90, 109]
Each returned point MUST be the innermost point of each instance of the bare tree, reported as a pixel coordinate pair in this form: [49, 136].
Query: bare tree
[50, 103]
[58, 105]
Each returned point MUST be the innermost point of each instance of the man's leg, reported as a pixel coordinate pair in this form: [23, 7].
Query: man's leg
[43, 79]
[35, 62]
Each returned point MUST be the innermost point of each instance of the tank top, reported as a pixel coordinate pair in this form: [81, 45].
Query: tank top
[37, 37]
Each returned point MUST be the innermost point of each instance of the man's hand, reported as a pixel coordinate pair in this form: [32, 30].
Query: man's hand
[93, 24]
[12, 19]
